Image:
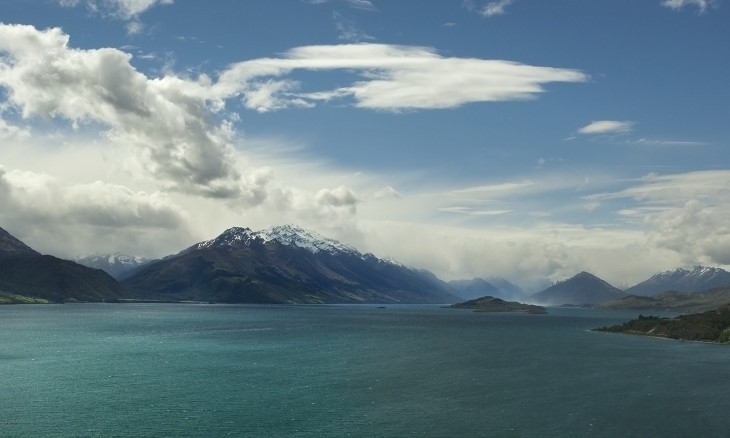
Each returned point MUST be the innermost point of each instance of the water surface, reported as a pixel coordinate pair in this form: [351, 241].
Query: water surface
[335, 371]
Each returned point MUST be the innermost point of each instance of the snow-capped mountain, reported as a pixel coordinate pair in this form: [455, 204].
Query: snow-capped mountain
[287, 235]
[285, 264]
[117, 265]
[693, 279]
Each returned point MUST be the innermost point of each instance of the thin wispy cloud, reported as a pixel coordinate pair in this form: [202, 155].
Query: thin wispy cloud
[348, 30]
[495, 8]
[606, 127]
[122, 9]
[365, 5]
[126, 10]
[701, 5]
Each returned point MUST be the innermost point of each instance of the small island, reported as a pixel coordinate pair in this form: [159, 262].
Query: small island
[492, 304]
[711, 326]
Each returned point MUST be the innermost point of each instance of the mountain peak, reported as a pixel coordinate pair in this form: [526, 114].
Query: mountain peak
[583, 288]
[312, 241]
[233, 236]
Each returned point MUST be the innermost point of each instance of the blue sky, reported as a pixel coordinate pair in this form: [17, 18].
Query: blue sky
[525, 139]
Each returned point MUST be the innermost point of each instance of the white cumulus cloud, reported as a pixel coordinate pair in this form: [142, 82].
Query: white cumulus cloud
[166, 122]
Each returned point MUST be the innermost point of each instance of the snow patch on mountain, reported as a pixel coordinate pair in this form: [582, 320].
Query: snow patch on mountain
[311, 241]
[117, 264]
[231, 237]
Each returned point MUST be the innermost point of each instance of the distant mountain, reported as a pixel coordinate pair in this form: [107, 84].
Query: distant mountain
[480, 287]
[474, 288]
[26, 272]
[507, 289]
[283, 264]
[117, 265]
[582, 289]
[695, 279]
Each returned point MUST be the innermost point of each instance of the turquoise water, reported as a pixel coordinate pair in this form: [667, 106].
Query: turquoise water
[336, 371]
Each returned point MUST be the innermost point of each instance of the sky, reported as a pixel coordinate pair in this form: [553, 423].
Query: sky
[525, 139]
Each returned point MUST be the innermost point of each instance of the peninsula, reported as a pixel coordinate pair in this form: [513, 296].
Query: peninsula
[710, 326]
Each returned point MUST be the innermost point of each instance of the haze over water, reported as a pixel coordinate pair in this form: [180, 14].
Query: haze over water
[216, 370]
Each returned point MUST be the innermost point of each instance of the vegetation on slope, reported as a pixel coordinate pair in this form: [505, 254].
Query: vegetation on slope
[710, 326]
[10, 298]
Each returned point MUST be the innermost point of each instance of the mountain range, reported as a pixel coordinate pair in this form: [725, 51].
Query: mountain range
[288, 264]
[695, 279]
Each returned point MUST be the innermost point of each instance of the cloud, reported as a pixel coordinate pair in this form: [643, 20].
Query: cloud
[10, 132]
[606, 127]
[390, 78]
[495, 8]
[702, 5]
[125, 10]
[682, 212]
[348, 30]
[527, 256]
[121, 9]
[41, 206]
[365, 5]
[167, 122]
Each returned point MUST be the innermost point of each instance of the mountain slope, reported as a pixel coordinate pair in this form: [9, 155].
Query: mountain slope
[10, 246]
[582, 289]
[283, 265]
[696, 279]
[24, 271]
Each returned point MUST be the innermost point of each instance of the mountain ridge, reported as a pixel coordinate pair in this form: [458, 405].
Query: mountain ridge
[692, 279]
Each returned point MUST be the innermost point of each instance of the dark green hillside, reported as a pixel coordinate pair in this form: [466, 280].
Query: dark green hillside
[710, 326]
[56, 280]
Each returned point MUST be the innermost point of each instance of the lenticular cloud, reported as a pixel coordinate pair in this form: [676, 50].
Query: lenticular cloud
[388, 77]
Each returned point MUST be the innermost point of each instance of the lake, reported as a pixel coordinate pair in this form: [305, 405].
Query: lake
[87, 370]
